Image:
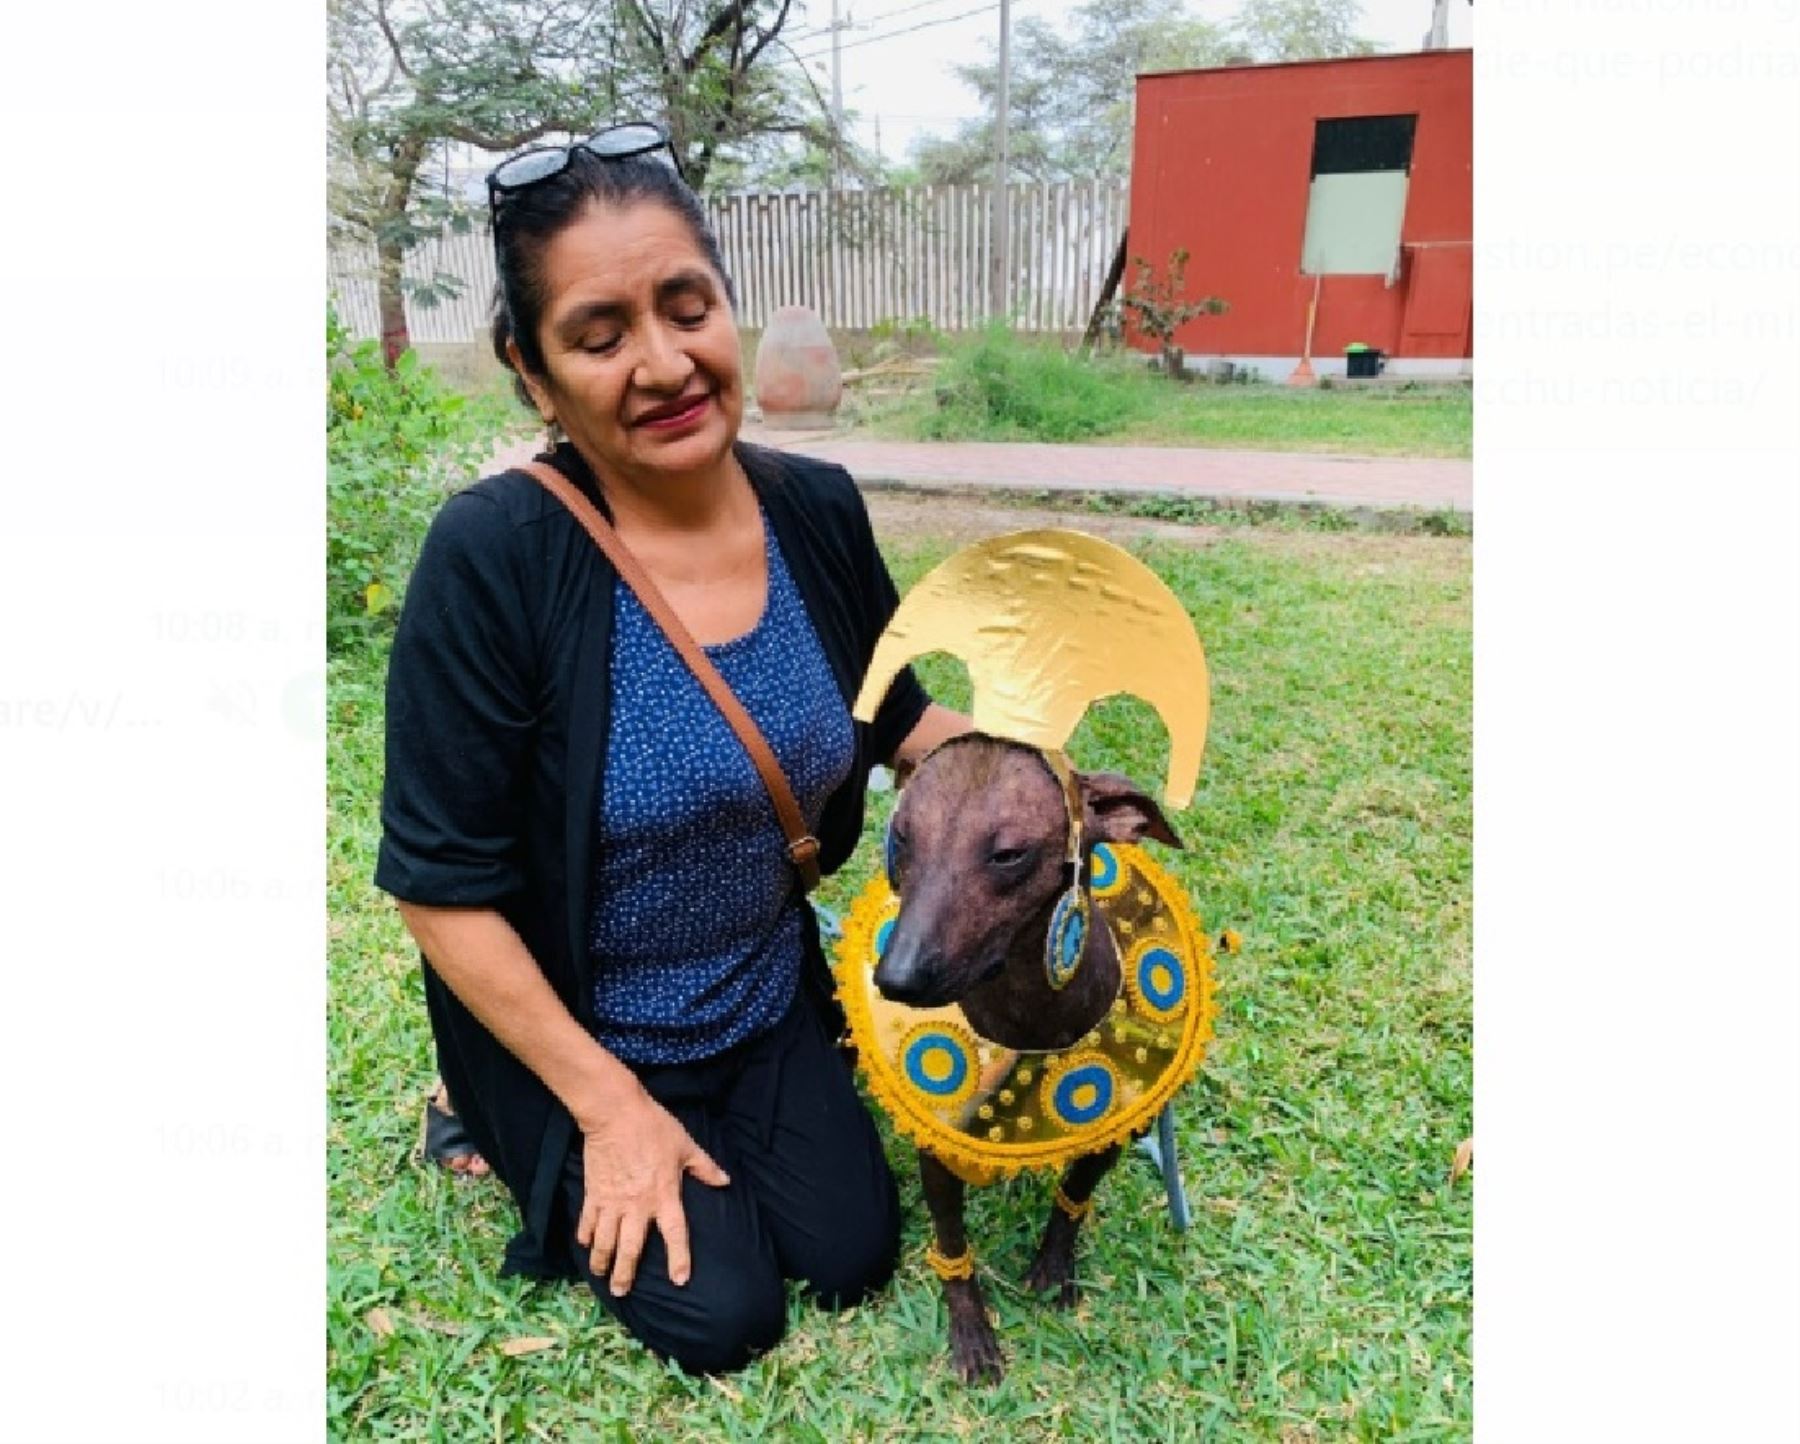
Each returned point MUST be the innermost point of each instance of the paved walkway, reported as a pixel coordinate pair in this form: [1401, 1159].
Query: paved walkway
[1345, 481]
[1369, 481]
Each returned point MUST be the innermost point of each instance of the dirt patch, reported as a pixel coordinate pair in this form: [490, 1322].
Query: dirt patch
[909, 517]
[1445, 557]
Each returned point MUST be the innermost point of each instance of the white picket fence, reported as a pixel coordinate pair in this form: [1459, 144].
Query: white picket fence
[858, 258]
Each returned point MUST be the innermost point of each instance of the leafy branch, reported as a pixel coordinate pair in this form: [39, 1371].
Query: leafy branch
[1154, 306]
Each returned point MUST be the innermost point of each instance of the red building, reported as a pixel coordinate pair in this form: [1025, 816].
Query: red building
[1344, 180]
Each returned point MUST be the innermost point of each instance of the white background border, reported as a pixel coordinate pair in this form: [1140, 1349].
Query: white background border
[162, 731]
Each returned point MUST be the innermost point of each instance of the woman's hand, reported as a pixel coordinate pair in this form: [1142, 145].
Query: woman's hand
[631, 1168]
[633, 1152]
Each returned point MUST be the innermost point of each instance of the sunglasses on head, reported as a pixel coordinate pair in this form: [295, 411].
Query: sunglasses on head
[541, 163]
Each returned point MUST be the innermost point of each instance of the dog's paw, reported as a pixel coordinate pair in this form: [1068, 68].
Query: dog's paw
[1053, 1272]
[975, 1351]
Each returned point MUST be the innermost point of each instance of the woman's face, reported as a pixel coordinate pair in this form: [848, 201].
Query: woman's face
[640, 348]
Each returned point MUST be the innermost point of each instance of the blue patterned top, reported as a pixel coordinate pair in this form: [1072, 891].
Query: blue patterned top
[696, 928]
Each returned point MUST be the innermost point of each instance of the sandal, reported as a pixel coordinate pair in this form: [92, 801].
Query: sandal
[444, 1140]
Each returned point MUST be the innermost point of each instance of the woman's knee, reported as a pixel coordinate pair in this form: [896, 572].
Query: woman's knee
[738, 1323]
[860, 1263]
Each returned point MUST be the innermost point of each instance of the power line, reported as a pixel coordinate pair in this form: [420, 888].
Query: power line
[887, 15]
[878, 19]
[907, 30]
[787, 39]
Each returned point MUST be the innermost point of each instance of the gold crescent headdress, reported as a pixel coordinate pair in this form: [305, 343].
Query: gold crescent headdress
[1048, 623]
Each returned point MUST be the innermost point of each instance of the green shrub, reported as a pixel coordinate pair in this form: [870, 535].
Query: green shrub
[915, 337]
[395, 443]
[998, 386]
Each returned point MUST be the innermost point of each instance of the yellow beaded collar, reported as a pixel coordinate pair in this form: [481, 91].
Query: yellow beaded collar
[986, 1111]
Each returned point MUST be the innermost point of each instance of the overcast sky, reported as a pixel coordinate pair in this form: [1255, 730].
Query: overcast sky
[908, 82]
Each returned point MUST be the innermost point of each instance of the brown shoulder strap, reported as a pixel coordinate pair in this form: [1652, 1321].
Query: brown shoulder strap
[803, 847]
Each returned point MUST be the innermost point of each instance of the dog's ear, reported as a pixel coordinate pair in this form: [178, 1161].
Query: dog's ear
[1116, 809]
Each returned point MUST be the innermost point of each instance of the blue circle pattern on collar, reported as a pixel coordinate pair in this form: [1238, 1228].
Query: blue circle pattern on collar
[696, 932]
[1083, 1093]
[936, 1064]
[1160, 979]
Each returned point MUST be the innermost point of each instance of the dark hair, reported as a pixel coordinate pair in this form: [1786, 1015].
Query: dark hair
[531, 219]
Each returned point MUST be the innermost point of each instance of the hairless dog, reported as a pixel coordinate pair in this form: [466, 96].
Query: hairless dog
[980, 857]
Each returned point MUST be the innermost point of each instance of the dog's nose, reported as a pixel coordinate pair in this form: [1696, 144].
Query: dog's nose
[914, 992]
[907, 972]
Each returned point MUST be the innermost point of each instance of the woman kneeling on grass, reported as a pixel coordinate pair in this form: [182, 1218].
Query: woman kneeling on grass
[625, 984]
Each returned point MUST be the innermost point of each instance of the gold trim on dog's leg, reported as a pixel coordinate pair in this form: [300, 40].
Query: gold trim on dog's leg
[960, 1267]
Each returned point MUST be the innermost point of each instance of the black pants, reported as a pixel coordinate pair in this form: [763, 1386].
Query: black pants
[811, 1198]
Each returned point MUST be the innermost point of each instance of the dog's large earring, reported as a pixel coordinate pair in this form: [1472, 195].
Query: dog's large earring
[1066, 940]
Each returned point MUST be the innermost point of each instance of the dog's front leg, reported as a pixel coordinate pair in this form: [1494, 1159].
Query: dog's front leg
[974, 1351]
[1054, 1266]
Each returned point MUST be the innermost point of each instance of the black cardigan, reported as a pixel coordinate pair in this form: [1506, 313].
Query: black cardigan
[497, 697]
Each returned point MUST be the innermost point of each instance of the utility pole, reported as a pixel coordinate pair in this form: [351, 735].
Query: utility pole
[1438, 37]
[1001, 260]
[837, 103]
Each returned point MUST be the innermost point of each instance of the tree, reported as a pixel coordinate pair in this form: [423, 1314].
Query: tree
[709, 71]
[1035, 113]
[1071, 100]
[1114, 44]
[406, 78]
[806, 162]
[402, 83]
[1154, 306]
[1300, 29]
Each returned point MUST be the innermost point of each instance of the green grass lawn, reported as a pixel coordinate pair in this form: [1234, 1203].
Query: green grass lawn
[998, 387]
[1324, 1290]
[1423, 420]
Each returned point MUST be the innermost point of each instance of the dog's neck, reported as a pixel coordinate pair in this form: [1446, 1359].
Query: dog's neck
[1017, 1008]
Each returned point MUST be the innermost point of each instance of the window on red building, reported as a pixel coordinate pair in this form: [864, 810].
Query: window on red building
[1360, 166]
